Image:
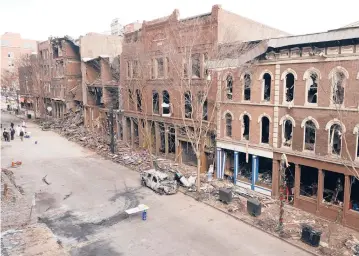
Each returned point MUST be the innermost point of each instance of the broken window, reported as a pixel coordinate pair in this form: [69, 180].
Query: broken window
[338, 88]
[264, 172]
[139, 100]
[202, 102]
[128, 125]
[289, 86]
[135, 69]
[287, 133]
[161, 127]
[354, 194]
[155, 102]
[267, 80]
[205, 110]
[166, 103]
[265, 130]
[229, 87]
[245, 127]
[247, 86]
[55, 51]
[333, 191]
[171, 139]
[160, 69]
[309, 136]
[135, 132]
[196, 65]
[188, 105]
[206, 72]
[308, 181]
[335, 139]
[185, 70]
[313, 89]
[130, 99]
[228, 118]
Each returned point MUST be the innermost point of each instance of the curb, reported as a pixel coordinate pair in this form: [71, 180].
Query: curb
[250, 224]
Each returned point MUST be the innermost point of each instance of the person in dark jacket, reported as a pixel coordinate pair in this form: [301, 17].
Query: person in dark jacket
[12, 125]
[12, 133]
[6, 135]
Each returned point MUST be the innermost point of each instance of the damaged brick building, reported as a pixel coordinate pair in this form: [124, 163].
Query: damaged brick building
[100, 66]
[60, 65]
[297, 96]
[165, 77]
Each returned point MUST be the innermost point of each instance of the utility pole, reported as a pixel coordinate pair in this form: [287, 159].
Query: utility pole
[282, 188]
[112, 135]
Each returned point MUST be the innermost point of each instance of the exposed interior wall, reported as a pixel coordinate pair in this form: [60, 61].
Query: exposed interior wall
[94, 45]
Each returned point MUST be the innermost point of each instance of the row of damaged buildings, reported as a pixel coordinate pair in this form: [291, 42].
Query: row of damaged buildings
[220, 89]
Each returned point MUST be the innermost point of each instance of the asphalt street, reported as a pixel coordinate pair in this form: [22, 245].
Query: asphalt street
[86, 197]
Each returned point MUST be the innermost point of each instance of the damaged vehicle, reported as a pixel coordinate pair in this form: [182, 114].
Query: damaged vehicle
[159, 182]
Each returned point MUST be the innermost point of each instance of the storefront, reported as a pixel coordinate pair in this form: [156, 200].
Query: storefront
[247, 167]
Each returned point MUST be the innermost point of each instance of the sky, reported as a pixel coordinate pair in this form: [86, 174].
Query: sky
[39, 19]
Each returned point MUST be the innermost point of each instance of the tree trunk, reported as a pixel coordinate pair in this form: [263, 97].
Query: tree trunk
[198, 181]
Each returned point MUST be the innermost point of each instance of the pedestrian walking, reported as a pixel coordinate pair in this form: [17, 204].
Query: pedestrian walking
[18, 129]
[24, 124]
[22, 135]
[12, 133]
[12, 125]
[6, 135]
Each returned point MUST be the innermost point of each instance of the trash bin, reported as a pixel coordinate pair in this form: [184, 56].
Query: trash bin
[314, 238]
[29, 116]
[306, 231]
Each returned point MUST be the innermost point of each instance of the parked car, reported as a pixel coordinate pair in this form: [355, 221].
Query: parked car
[159, 182]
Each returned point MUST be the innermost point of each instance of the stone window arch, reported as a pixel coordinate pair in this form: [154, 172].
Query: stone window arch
[155, 102]
[229, 86]
[229, 118]
[166, 103]
[288, 123]
[245, 119]
[227, 112]
[266, 77]
[338, 78]
[310, 126]
[289, 77]
[247, 86]
[335, 130]
[312, 77]
[264, 121]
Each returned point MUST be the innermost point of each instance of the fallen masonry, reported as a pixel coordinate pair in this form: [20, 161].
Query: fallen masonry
[141, 160]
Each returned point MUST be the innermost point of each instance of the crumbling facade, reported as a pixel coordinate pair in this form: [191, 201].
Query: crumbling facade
[61, 72]
[168, 95]
[100, 66]
[299, 97]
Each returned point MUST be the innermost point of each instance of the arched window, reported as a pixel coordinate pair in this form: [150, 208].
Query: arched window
[312, 88]
[266, 87]
[202, 103]
[337, 85]
[188, 105]
[265, 130]
[245, 127]
[155, 102]
[228, 118]
[166, 103]
[229, 88]
[309, 135]
[335, 139]
[247, 86]
[139, 100]
[287, 133]
[289, 87]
